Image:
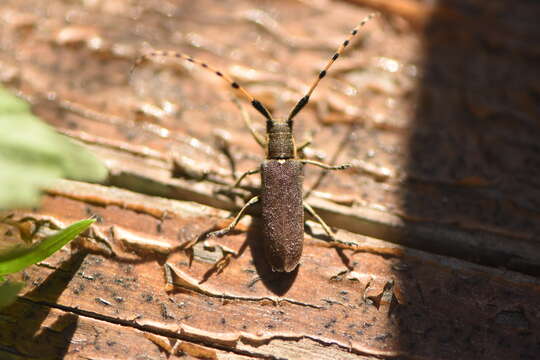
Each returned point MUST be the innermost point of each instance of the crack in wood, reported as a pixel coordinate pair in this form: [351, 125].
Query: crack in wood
[161, 330]
[188, 282]
[216, 340]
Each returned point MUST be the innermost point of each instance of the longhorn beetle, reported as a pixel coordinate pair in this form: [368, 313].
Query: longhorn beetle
[281, 172]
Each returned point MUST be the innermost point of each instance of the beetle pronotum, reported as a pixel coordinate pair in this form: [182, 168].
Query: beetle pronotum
[281, 172]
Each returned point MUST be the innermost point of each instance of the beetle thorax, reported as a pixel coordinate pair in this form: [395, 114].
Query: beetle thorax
[280, 140]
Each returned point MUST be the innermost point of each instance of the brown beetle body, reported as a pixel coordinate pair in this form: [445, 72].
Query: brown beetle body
[282, 172]
[282, 212]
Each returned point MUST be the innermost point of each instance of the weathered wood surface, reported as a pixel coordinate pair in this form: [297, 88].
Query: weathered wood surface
[444, 162]
[375, 299]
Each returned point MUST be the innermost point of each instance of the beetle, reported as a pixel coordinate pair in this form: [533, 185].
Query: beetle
[281, 172]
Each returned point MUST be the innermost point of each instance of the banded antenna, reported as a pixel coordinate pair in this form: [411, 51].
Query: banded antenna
[304, 100]
[243, 92]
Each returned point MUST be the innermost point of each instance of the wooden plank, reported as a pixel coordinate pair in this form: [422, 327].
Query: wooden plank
[374, 299]
[52, 333]
[403, 159]
[422, 116]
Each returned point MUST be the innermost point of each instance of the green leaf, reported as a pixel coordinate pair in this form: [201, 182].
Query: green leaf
[8, 292]
[21, 257]
[33, 155]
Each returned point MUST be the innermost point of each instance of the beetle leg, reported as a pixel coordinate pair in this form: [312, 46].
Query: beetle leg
[325, 166]
[250, 172]
[230, 188]
[325, 227]
[304, 144]
[236, 219]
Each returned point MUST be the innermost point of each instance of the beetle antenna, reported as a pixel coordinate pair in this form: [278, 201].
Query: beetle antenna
[304, 100]
[243, 92]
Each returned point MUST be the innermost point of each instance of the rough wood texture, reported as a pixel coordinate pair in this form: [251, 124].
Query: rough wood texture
[376, 299]
[435, 106]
